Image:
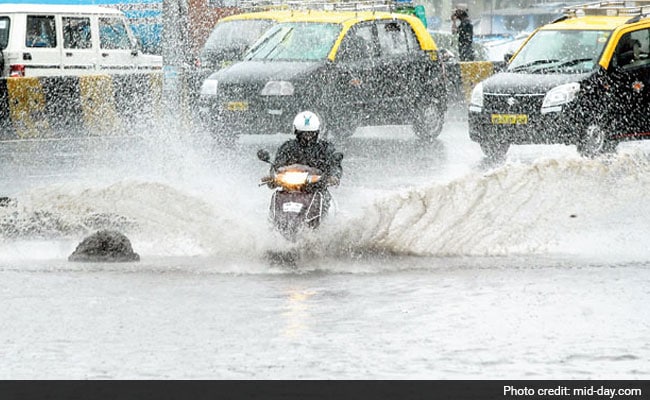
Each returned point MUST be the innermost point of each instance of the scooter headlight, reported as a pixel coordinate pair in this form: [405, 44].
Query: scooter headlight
[293, 178]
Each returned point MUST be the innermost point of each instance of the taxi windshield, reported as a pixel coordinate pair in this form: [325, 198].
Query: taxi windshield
[296, 41]
[561, 51]
[235, 33]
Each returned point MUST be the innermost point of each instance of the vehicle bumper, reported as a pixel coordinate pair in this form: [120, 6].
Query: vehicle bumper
[260, 116]
[559, 127]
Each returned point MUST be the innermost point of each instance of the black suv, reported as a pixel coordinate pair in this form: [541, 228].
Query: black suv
[351, 68]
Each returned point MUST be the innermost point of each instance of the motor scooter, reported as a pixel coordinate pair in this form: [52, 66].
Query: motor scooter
[294, 205]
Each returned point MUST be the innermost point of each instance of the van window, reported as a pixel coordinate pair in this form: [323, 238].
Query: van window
[76, 33]
[4, 32]
[113, 34]
[41, 31]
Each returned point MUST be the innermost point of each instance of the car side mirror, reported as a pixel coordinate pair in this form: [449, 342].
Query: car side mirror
[263, 155]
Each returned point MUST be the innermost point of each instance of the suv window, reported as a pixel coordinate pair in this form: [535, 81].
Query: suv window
[113, 34]
[4, 32]
[41, 31]
[76, 33]
[296, 41]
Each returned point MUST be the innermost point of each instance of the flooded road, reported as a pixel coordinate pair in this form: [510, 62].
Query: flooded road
[434, 265]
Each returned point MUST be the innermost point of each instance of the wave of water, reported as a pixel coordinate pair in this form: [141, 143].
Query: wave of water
[567, 206]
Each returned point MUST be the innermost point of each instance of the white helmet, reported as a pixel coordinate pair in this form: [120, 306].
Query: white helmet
[306, 121]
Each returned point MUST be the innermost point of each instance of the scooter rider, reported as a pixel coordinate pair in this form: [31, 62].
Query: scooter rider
[307, 149]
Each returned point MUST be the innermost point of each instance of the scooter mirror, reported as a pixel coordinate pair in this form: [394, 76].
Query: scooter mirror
[263, 155]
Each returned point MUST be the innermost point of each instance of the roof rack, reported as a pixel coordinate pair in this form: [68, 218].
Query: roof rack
[333, 5]
[609, 8]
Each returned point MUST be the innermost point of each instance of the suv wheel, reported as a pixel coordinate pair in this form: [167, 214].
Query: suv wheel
[594, 141]
[495, 151]
[428, 122]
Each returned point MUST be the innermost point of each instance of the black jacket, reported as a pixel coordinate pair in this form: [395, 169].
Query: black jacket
[318, 155]
[465, 39]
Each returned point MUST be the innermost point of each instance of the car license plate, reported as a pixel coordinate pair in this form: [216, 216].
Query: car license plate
[291, 207]
[509, 119]
[237, 106]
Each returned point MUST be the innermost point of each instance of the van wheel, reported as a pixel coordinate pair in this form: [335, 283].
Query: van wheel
[495, 151]
[428, 122]
[594, 141]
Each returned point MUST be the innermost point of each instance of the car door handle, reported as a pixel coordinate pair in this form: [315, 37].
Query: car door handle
[104, 54]
[68, 54]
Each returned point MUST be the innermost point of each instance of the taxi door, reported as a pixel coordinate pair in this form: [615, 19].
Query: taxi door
[632, 84]
[402, 65]
[355, 72]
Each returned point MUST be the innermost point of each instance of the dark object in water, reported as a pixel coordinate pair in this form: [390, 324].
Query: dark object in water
[105, 246]
[285, 259]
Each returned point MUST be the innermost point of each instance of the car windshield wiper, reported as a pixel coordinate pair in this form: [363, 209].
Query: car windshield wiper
[533, 63]
[253, 51]
[277, 46]
[572, 62]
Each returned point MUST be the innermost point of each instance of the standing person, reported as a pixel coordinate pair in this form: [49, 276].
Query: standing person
[462, 26]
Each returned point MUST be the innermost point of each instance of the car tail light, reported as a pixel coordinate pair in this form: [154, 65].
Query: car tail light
[17, 70]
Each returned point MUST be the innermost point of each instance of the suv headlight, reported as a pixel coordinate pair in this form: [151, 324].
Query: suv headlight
[277, 88]
[476, 101]
[209, 87]
[559, 95]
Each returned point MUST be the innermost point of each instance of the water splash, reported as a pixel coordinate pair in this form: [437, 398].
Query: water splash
[582, 207]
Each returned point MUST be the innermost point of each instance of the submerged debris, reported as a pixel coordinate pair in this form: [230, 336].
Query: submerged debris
[105, 246]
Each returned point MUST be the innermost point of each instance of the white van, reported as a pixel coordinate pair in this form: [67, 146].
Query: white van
[45, 40]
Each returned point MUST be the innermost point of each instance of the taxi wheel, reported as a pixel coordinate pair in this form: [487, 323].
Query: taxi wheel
[495, 151]
[594, 141]
[428, 122]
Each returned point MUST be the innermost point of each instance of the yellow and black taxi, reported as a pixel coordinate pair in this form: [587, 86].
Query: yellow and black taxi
[353, 68]
[228, 41]
[583, 80]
